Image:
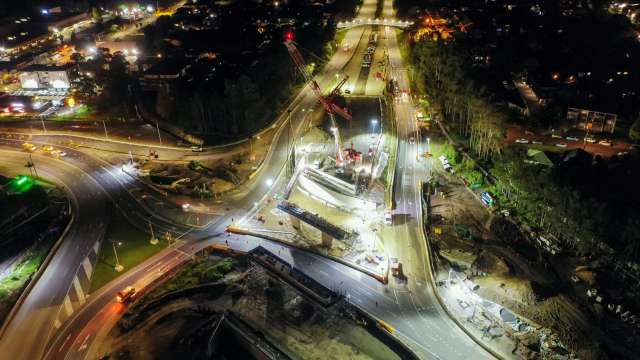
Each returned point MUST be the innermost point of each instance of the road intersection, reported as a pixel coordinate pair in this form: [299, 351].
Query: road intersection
[411, 308]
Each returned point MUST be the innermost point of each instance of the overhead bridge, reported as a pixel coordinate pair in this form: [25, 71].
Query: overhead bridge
[329, 231]
[382, 22]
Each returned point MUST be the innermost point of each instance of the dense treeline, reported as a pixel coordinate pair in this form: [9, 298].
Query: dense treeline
[463, 106]
[590, 206]
[250, 83]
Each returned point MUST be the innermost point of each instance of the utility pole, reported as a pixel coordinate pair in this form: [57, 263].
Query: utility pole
[43, 127]
[32, 165]
[158, 128]
[290, 133]
[105, 129]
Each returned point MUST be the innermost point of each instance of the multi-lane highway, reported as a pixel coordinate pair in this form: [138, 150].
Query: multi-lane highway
[411, 308]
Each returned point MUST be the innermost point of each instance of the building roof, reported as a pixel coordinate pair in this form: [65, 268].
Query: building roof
[539, 157]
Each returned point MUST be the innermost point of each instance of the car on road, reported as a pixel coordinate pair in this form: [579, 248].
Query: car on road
[47, 148]
[537, 142]
[522, 141]
[29, 146]
[347, 91]
[196, 149]
[590, 139]
[561, 145]
[605, 142]
[126, 295]
[556, 136]
[487, 199]
[571, 138]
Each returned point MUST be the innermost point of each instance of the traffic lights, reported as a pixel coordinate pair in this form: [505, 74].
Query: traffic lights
[288, 36]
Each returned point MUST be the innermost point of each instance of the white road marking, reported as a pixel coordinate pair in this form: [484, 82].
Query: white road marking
[78, 288]
[86, 264]
[67, 305]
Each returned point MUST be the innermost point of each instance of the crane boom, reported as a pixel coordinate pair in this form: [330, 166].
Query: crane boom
[326, 101]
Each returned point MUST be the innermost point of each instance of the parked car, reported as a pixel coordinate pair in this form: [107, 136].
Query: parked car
[605, 142]
[537, 142]
[556, 136]
[388, 218]
[590, 139]
[571, 138]
[562, 145]
[522, 141]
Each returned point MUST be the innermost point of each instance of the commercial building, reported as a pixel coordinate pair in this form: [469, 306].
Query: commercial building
[45, 77]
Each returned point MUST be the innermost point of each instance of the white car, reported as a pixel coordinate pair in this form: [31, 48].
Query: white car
[522, 141]
[605, 142]
[556, 136]
[571, 138]
[590, 139]
[537, 142]
[561, 145]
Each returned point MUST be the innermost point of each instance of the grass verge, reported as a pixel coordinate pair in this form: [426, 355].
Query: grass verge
[23, 271]
[132, 245]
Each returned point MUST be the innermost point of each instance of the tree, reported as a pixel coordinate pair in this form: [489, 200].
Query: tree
[95, 14]
[451, 154]
[634, 131]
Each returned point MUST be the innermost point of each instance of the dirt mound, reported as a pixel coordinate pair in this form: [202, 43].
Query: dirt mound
[490, 263]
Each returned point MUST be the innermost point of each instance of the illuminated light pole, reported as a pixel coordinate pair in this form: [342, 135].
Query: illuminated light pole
[43, 127]
[118, 267]
[154, 240]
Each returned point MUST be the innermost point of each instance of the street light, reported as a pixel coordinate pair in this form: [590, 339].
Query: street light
[374, 122]
[118, 267]
[269, 181]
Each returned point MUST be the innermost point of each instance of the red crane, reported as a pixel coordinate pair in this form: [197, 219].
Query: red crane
[327, 102]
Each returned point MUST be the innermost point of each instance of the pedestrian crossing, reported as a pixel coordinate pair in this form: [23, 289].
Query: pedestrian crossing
[78, 291]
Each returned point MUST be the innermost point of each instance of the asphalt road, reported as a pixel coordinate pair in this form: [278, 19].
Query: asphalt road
[411, 308]
[92, 185]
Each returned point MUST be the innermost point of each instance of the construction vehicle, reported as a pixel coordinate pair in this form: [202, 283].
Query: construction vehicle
[352, 154]
[396, 270]
[126, 295]
[328, 101]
